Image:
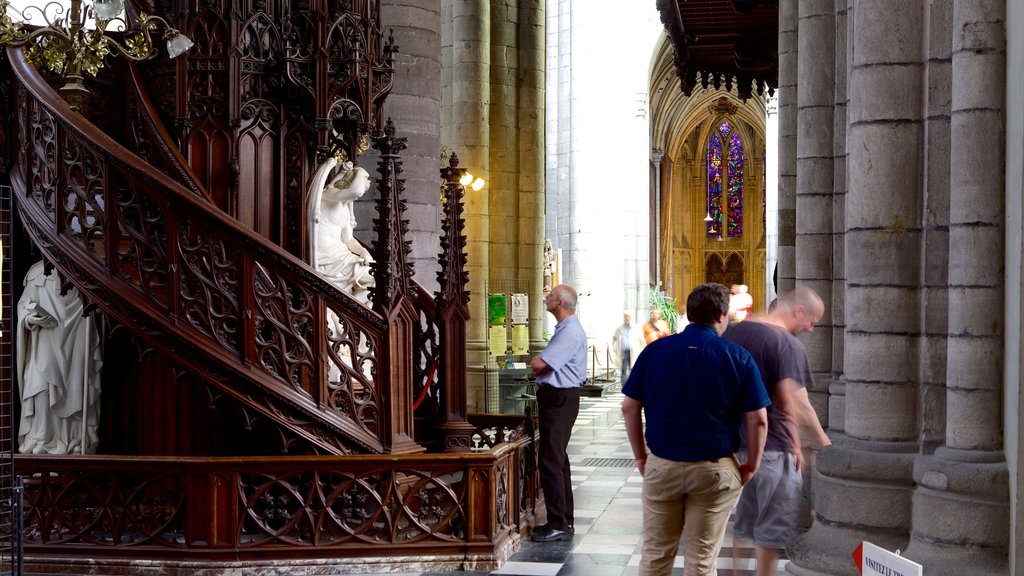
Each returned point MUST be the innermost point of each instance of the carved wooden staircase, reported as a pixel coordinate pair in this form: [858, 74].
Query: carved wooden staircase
[218, 299]
[145, 243]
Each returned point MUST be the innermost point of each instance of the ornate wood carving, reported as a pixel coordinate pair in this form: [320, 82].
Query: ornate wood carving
[392, 296]
[453, 310]
[186, 279]
[393, 268]
[271, 87]
[298, 507]
[721, 41]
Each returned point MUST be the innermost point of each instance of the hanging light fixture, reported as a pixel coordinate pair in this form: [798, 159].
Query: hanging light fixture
[78, 44]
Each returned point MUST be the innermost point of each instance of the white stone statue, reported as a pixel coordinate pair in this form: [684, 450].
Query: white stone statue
[549, 265]
[333, 249]
[59, 357]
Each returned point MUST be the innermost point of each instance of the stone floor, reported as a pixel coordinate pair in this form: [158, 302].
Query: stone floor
[608, 514]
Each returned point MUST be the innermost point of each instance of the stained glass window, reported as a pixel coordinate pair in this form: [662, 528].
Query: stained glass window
[735, 192]
[725, 204]
[714, 223]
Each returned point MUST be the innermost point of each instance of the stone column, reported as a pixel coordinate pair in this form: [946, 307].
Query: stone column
[558, 136]
[863, 489]
[502, 186]
[961, 511]
[786, 266]
[415, 106]
[466, 130]
[814, 180]
[1014, 403]
[657, 256]
[530, 112]
[843, 55]
[936, 224]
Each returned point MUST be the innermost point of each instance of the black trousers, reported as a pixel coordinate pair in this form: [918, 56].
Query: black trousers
[558, 410]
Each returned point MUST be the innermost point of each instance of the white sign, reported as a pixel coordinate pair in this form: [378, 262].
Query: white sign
[874, 561]
[520, 308]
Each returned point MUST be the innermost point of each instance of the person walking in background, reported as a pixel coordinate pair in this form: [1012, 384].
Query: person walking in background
[626, 343]
[768, 507]
[561, 368]
[695, 390]
[655, 328]
[740, 303]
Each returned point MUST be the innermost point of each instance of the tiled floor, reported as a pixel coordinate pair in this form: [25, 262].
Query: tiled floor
[608, 510]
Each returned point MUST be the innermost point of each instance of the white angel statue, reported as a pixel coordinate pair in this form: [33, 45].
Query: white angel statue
[333, 249]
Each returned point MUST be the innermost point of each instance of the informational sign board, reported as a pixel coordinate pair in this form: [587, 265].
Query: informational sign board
[520, 339]
[496, 310]
[520, 308]
[497, 340]
[873, 560]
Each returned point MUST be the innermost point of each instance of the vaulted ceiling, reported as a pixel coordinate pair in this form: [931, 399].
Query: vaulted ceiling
[724, 43]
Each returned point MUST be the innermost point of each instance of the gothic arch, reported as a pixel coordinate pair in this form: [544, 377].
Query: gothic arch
[681, 127]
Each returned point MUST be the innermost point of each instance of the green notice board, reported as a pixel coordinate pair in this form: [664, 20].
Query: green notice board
[496, 308]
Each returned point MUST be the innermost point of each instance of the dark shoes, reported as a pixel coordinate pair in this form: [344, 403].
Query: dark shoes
[545, 533]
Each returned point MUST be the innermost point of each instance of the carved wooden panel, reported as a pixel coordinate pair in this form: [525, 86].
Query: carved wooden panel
[208, 138]
[140, 253]
[187, 508]
[105, 508]
[271, 87]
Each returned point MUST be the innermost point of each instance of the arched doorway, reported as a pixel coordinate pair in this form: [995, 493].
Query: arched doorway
[725, 269]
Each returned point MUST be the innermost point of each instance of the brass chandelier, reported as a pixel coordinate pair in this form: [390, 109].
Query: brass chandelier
[70, 47]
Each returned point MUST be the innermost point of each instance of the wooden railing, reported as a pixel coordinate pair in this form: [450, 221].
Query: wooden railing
[471, 505]
[153, 143]
[215, 297]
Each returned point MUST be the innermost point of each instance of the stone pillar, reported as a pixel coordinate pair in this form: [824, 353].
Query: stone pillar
[837, 388]
[415, 106]
[530, 148]
[466, 130]
[814, 180]
[936, 224]
[1014, 404]
[502, 186]
[961, 511]
[863, 484]
[558, 136]
[657, 255]
[786, 266]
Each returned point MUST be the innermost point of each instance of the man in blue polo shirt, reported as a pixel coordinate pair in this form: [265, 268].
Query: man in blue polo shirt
[561, 368]
[695, 390]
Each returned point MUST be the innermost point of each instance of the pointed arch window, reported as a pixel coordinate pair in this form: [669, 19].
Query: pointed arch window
[725, 183]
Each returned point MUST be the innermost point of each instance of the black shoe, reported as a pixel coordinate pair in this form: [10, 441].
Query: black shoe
[545, 527]
[546, 533]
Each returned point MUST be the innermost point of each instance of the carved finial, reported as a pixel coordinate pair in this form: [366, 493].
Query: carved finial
[722, 106]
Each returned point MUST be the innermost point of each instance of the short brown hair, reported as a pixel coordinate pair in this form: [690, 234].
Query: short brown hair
[706, 304]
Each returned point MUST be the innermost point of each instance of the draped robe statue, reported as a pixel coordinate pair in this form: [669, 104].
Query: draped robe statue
[333, 249]
[59, 357]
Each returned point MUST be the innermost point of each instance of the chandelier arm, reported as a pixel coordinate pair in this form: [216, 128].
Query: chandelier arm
[140, 48]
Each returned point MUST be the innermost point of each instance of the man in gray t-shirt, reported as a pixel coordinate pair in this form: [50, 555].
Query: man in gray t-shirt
[767, 510]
